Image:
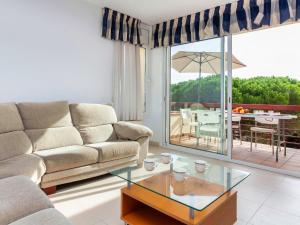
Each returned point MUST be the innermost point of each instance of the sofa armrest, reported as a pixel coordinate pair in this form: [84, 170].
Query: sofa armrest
[131, 131]
[144, 148]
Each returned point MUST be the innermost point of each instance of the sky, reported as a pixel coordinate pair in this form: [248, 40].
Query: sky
[270, 52]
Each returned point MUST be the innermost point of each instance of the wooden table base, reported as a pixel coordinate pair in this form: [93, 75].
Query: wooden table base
[140, 206]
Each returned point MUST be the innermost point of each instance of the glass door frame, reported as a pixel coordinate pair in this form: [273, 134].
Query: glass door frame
[228, 156]
[167, 99]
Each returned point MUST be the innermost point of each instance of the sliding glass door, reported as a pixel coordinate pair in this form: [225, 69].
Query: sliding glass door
[197, 117]
[217, 96]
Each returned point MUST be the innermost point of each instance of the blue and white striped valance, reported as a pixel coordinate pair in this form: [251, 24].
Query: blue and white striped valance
[121, 27]
[232, 18]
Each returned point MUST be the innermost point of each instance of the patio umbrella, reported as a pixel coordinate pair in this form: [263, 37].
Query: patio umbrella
[201, 62]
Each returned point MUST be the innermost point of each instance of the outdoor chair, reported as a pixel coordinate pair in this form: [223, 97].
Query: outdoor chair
[208, 124]
[186, 117]
[264, 130]
[236, 126]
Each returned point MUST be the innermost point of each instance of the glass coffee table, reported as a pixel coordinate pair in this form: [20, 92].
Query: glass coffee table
[161, 197]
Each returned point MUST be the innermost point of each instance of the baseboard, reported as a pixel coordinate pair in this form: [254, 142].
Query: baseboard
[140, 122]
[155, 143]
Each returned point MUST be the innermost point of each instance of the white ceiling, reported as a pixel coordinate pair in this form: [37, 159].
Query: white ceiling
[156, 11]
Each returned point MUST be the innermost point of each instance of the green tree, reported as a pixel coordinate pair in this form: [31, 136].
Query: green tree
[255, 90]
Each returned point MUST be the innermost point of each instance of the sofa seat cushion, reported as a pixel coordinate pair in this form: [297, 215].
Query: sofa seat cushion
[44, 217]
[20, 197]
[69, 157]
[28, 165]
[109, 151]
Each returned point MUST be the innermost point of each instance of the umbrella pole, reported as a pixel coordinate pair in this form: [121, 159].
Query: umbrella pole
[199, 77]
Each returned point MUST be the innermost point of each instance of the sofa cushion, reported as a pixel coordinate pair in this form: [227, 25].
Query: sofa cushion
[45, 115]
[91, 115]
[54, 138]
[28, 165]
[20, 197]
[109, 151]
[44, 217]
[64, 158]
[13, 144]
[10, 119]
[97, 134]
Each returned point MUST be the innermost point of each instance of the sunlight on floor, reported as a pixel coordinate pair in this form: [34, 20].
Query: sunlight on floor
[261, 155]
[97, 201]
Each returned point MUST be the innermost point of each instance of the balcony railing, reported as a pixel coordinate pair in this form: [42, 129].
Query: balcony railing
[291, 130]
[175, 106]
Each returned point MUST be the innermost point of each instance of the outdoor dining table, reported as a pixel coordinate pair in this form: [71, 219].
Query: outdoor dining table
[281, 123]
[268, 116]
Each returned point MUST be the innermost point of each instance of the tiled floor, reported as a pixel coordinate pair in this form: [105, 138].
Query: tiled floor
[264, 198]
[262, 155]
[191, 142]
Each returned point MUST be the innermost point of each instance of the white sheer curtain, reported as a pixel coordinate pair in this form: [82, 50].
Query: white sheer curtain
[128, 95]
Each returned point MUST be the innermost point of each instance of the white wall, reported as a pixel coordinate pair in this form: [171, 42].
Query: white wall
[53, 50]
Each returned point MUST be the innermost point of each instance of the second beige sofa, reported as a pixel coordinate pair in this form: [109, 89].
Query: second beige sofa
[17, 194]
[66, 142]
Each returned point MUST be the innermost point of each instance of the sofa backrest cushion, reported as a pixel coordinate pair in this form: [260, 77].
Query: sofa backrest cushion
[98, 134]
[94, 122]
[50, 138]
[45, 115]
[91, 115]
[10, 119]
[13, 140]
[13, 144]
[49, 125]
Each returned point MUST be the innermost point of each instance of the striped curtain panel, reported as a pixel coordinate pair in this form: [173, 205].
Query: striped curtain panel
[232, 18]
[121, 27]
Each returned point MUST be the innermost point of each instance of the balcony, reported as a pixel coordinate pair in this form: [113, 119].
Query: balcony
[262, 153]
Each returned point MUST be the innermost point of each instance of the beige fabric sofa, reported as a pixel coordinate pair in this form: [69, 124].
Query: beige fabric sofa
[16, 156]
[23, 203]
[55, 143]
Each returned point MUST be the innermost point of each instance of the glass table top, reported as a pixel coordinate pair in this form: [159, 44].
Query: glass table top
[197, 190]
